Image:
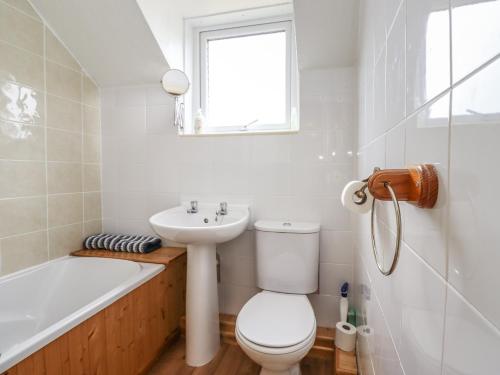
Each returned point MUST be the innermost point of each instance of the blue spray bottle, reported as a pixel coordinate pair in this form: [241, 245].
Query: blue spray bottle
[344, 302]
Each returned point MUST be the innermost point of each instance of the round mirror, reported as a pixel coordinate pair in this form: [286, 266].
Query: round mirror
[175, 82]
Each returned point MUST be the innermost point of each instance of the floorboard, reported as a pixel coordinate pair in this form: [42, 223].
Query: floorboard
[230, 360]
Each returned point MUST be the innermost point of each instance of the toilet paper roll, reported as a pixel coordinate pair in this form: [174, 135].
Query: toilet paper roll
[348, 198]
[364, 332]
[345, 336]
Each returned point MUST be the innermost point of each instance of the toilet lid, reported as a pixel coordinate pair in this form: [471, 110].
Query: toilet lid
[276, 320]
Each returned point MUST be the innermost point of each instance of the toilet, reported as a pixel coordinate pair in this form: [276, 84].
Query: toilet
[276, 328]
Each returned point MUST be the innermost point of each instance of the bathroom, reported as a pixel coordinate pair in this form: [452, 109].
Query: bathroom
[308, 178]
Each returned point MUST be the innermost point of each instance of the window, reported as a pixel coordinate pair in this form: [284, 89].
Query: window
[247, 78]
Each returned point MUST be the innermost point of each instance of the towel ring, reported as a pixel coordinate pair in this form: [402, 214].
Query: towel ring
[398, 233]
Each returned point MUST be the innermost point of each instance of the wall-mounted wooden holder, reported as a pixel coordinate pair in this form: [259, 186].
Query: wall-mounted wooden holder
[417, 185]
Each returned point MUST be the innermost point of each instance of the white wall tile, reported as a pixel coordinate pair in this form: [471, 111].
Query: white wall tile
[160, 119]
[235, 296]
[475, 34]
[474, 235]
[336, 247]
[395, 71]
[436, 294]
[427, 51]
[425, 230]
[148, 168]
[379, 121]
[326, 309]
[472, 344]
[332, 276]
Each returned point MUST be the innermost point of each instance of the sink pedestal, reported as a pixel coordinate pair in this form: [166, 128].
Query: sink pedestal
[202, 305]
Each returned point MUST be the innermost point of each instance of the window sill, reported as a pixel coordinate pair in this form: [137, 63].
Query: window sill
[253, 132]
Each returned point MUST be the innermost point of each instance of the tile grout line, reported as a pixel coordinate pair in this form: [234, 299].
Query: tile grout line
[46, 143]
[447, 228]
[82, 157]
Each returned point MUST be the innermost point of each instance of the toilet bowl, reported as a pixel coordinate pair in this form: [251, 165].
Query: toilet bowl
[276, 330]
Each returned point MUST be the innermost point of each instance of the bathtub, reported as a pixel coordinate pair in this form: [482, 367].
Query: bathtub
[41, 303]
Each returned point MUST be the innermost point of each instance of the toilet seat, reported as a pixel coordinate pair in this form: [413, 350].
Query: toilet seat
[270, 351]
[276, 322]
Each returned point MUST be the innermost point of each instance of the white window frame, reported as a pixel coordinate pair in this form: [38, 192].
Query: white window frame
[201, 37]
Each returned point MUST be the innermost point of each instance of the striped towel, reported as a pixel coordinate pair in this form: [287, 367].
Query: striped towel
[122, 242]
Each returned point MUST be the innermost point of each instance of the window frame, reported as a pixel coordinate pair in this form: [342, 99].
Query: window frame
[203, 35]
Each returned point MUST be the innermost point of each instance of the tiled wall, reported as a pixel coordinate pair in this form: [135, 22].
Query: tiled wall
[430, 95]
[49, 144]
[147, 168]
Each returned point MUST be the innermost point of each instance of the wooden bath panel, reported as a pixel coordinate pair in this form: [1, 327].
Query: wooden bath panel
[127, 336]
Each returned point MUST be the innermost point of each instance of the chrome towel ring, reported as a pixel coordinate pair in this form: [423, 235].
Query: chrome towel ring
[380, 266]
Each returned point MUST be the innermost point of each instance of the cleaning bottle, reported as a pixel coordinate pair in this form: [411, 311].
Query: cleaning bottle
[198, 122]
[344, 302]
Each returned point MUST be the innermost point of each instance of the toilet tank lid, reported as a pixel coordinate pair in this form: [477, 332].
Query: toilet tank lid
[286, 226]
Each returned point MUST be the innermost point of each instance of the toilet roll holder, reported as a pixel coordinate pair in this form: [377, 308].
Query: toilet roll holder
[417, 185]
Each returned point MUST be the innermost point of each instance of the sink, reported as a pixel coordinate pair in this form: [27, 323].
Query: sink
[201, 231]
[177, 225]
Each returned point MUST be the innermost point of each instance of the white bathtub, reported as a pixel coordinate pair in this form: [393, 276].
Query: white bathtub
[41, 303]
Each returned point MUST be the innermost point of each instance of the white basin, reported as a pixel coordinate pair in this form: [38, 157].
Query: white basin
[177, 225]
[201, 232]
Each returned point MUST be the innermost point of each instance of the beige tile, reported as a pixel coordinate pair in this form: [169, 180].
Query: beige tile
[22, 215]
[91, 120]
[64, 240]
[23, 6]
[64, 146]
[63, 82]
[91, 177]
[64, 177]
[23, 251]
[64, 114]
[20, 30]
[65, 209]
[21, 66]
[90, 92]
[22, 178]
[58, 53]
[92, 227]
[91, 148]
[92, 206]
[21, 142]
[21, 103]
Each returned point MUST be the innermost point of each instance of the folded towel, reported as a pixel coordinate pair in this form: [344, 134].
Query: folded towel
[122, 242]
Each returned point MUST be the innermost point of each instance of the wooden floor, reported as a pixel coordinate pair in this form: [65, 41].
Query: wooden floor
[229, 361]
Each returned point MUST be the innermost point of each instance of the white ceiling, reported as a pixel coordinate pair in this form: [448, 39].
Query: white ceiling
[326, 33]
[110, 38]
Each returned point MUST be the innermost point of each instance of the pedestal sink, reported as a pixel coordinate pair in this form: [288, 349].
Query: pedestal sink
[201, 232]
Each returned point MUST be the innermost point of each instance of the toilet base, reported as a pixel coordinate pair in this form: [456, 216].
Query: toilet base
[294, 370]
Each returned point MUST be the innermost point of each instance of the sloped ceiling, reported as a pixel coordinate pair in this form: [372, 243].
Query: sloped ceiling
[125, 42]
[326, 33]
[165, 17]
[110, 38]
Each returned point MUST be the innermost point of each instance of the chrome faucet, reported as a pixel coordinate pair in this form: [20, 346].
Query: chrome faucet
[221, 211]
[223, 208]
[194, 208]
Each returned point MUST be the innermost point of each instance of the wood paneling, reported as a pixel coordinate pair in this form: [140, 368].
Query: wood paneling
[123, 339]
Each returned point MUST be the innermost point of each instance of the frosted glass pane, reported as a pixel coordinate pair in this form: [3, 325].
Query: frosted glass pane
[247, 80]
